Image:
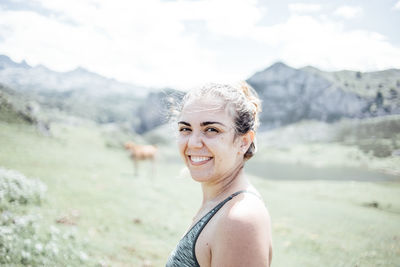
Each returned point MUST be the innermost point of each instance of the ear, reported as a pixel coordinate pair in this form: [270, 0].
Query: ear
[246, 141]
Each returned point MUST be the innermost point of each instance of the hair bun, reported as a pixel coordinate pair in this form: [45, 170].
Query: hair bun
[251, 95]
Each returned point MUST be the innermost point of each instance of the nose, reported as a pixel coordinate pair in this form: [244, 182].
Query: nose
[195, 141]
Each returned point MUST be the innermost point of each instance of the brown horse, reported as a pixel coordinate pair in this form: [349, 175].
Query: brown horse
[141, 152]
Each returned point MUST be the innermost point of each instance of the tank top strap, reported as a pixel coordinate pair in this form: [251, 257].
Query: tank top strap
[212, 212]
[234, 195]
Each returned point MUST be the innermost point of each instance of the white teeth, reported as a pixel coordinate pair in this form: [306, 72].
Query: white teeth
[198, 159]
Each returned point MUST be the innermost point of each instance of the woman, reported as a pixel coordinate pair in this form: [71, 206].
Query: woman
[217, 125]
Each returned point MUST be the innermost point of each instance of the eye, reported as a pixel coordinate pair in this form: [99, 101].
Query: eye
[184, 130]
[211, 130]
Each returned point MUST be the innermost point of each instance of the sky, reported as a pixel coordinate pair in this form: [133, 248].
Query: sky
[184, 43]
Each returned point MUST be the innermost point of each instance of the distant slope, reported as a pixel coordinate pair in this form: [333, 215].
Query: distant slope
[14, 108]
[78, 93]
[23, 77]
[290, 95]
[87, 95]
[380, 88]
[363, 83]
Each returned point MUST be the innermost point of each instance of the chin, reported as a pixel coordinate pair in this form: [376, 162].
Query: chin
[200, 177]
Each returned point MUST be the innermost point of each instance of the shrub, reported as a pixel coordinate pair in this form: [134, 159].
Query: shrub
[15, 189]
[24, 240]
[22, 243]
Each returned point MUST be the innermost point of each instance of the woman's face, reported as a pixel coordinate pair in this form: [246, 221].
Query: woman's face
[207, 141]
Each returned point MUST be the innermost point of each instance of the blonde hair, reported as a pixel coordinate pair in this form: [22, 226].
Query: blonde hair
[240, 99]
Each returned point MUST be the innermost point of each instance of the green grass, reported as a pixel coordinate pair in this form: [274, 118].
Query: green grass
[325, 223]
[136, 221]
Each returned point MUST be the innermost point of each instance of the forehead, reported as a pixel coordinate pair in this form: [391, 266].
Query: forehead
[206, 110]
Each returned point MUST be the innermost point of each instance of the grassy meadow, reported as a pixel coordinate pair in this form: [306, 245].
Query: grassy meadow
[121, 220]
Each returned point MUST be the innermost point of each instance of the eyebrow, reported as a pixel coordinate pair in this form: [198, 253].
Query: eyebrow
[205, 123]
[185, 123]
[211, 122]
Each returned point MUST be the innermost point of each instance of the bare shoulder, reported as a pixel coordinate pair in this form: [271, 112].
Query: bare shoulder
[243, 234]
[246, 216]
[247, 209]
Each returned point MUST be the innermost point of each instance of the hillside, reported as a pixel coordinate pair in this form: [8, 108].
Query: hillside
[39, 78]
[365, 84]
[87, 95]
[14, 107]
[78, 93]
[290, 95]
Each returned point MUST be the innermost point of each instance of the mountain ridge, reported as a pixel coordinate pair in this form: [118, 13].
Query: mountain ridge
[24, 77]
[288, 94]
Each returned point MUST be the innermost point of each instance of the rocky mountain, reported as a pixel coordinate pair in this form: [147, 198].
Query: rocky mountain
[79, 92]
[23, 77]
[290, 95]
[6, 62]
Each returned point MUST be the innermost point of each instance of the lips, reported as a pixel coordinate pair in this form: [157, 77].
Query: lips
[199, 160]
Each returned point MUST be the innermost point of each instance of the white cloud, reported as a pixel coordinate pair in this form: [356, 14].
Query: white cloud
[131, 40]
[348, 12]
[146, 41]
[140, 41]
[232, 17]
[304, 8]
[397, 6]
[304, 40]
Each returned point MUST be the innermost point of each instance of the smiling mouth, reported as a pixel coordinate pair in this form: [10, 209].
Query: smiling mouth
[196, 160]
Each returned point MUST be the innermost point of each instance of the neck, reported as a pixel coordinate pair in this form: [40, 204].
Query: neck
[225, 186]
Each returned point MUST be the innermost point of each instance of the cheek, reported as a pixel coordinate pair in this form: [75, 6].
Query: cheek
[225, 148]
[181, 142]
[232, 147]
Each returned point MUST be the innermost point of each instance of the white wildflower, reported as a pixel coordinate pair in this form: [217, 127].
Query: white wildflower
[25, 254]
[27, 242]
[39, 247]
[83, 256]
[54, 230]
